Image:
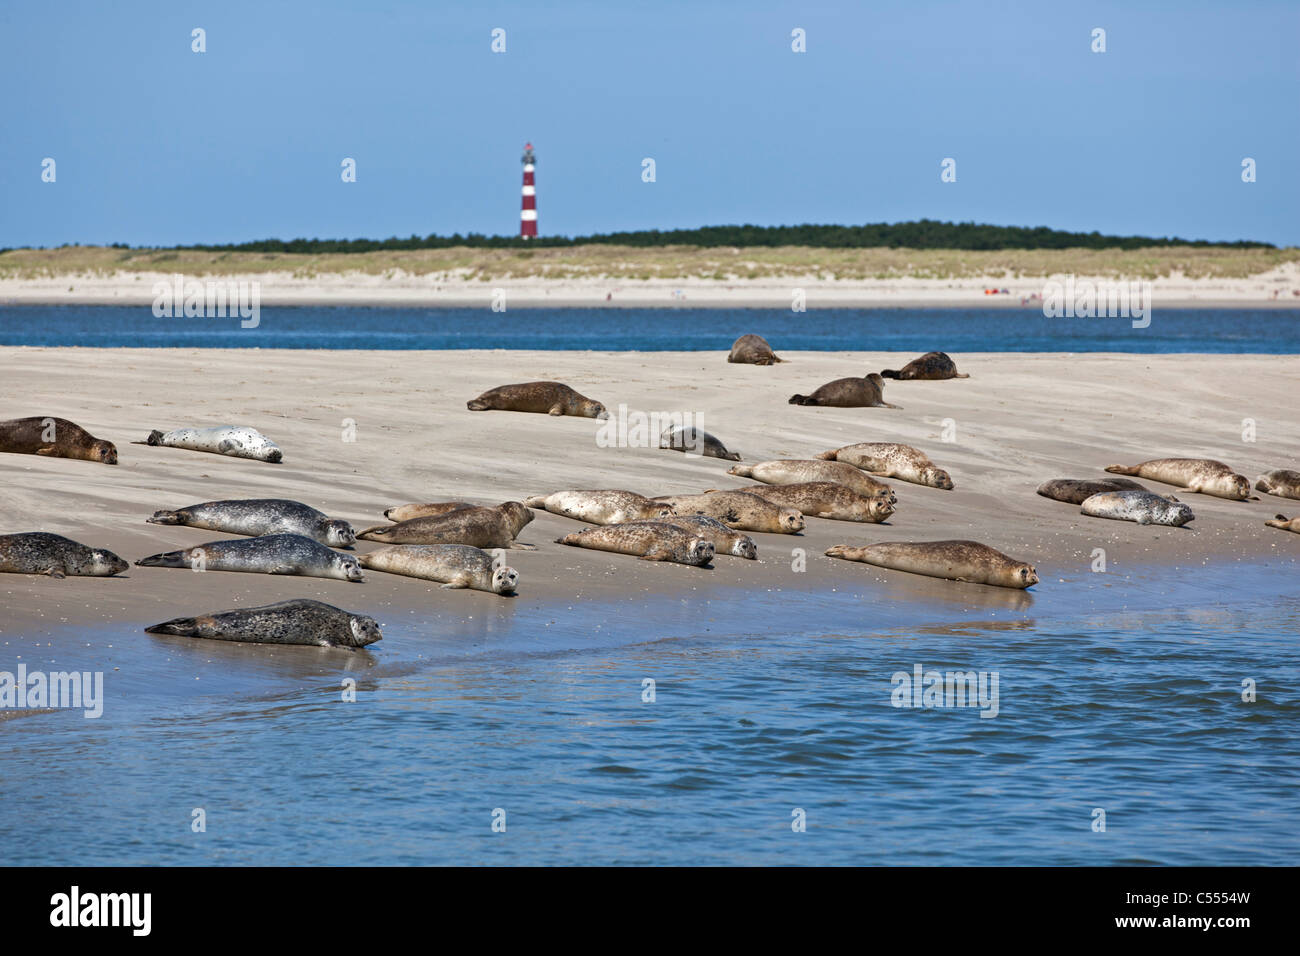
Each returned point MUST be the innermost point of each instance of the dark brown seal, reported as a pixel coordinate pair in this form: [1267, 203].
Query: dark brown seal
[55, 438]
[479, 527]
[752, 350]
[549, 398]
[931, 367]
[865, 392]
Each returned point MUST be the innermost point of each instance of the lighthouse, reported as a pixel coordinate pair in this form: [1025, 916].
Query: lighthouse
[528, 212]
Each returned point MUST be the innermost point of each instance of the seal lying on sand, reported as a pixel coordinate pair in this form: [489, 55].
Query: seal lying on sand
[696, 441]
[892, 461]
[1285, 523]
[1281, 482]
[258, 516]
[868, 392]
[931, 366]
[610, 506]
[739, 510]
[54, 438]
[955, 560]
[234, 441]
[430, 510]
[38, 552]
[1075, 491]
[1144, 507]
[267, 554]
[551, 398]
[725, 541]
[648, 540]
[752, 350]
[1201, 475]
[797, 471]
[455, 565]
[824, 499]
[478, 527]
[290, 622]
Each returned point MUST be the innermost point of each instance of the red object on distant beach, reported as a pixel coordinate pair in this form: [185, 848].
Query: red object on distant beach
[528, 212]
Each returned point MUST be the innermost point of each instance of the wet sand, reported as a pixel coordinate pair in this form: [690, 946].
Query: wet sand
[1019, 420]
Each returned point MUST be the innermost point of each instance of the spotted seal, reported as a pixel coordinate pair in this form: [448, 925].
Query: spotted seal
[892, 460]
[725, 540]
[1281, 482]
[954, 560]
[824, 499]
[478, 527]
[455, 565]
[54, 438]
[738, 510]
[39, 552]
[605, 506]
[259, 516]
[648, 540]
[430, 510]
[1144, 507]
[1196, 475]
[551, 398]
[233, 441]
[798, 471]
[266, 554]
[312, 623]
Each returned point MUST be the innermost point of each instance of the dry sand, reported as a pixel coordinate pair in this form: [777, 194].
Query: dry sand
[1019, 419]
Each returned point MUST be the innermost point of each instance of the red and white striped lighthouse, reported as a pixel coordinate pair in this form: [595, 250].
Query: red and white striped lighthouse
[528, 212]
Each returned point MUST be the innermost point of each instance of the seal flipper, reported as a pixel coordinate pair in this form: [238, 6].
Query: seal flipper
[1122, 469]
[520, 546]
[165, 517]
[889, 373]
[180, 626]
[56, 573]
[169, 559]
[658, 555]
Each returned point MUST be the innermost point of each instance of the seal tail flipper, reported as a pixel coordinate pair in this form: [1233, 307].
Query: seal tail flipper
[889, 373]
[520, 546]
[961, 375]
[1279, 521]
[536, 501]
[828, 455]
[798, 400]
[180, 626]
[372, 534]
[887, 405]
[155, 438]
[165, 517]
[1122, 469]
[168, 559]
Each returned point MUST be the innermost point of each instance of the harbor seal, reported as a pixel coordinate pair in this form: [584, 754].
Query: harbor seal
[868, 392]
[824, 499]
[1075, 491]
[892, 460]
[430, 510]
[1280, 482]
[478, 527]
[233, 441]
[739, 510]
[752, 350]
[54, 438]
[608, 506]
[1285, 523]
[312, 623]
[931, 367]
[696, 441]
[724, 539]
[38, 552]
[954, 560]
[1144, 507]
[266, 554]
[551, 398]
[259, 516]
[455, 565]
[796, 471]
[648, 540]
[1199, 475]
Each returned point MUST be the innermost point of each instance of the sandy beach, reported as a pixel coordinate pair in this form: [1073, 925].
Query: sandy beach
[1017, 421]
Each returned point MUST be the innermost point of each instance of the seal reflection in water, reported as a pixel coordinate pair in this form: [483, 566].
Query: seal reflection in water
[648, 540]
[311, 623]
[38, 552]
[268, 554]
[954, 560]
[549, 398]
[54, 438]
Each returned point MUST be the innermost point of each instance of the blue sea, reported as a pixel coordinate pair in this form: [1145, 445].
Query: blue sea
[1274, 331]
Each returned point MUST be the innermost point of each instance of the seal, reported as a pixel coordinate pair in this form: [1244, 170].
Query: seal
[38, 552]
[752, 350]
[478, 527]
[648, 540]
[739, 510]
[696, 441]
[312, 623]
[1285, 523]
[824, 499]
[259, 516]
[954, 560]
[430, 510]
[796, 471]
[868, 392]
[266, 554]
[724, 540]
[1280, 482]
[892, 461]
[1197, 475]
[455, 565]
[233, 441]
[551, 398]
[1144, 507]
[932, 366]
[1075, 491]
[54, 438]
[608, 506]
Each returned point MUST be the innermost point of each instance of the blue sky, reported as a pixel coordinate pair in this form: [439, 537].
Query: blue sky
[155, 144]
